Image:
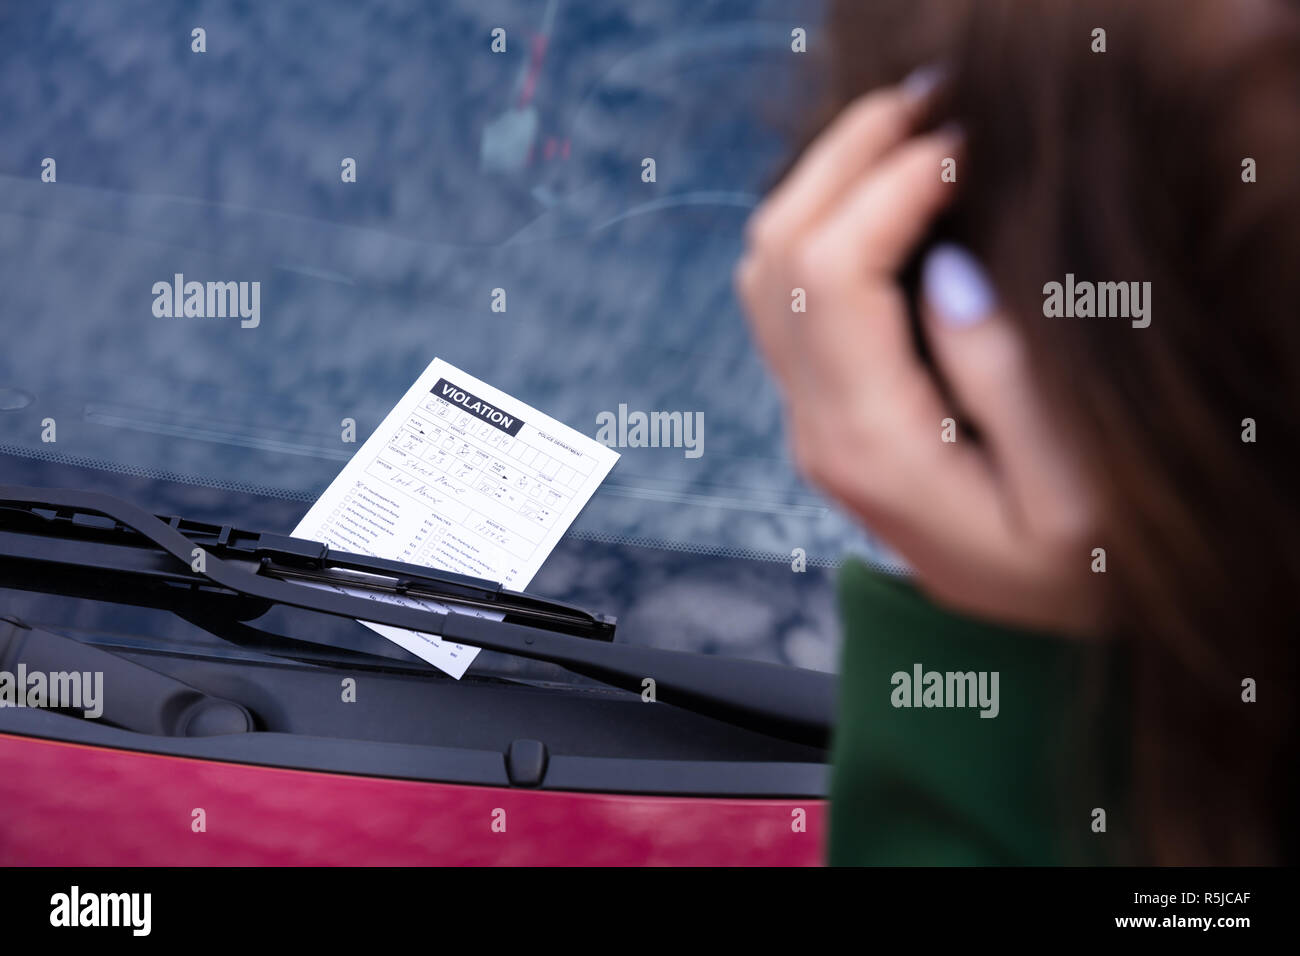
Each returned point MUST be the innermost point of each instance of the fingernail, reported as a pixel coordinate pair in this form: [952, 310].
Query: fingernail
[921, 82]
[956, 286]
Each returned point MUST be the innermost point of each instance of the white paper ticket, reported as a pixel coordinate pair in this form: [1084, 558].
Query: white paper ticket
[458, 477]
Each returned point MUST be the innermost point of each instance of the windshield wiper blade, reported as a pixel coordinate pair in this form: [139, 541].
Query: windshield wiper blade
[112, 545]
[67, 528]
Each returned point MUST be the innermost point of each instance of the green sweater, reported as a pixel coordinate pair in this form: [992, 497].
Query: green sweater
[943, 785]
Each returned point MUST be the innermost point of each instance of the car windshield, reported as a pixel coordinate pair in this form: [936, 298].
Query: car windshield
[559, 218]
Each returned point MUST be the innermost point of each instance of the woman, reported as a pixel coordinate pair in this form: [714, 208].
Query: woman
[1096, 492]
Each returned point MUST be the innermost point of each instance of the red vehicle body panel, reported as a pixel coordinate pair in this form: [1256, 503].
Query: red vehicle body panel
[76, 805]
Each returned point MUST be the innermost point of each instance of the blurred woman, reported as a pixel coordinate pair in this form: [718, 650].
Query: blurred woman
[1078, 426]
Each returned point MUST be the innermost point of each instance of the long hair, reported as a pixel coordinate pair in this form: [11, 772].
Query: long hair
[1172, 158]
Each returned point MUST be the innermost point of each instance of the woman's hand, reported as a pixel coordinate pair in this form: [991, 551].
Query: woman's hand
[999, 528]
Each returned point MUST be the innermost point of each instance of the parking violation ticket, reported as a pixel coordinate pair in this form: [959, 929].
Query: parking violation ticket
[458, 477]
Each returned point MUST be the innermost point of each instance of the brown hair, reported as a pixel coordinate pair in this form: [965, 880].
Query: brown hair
[1127, 165]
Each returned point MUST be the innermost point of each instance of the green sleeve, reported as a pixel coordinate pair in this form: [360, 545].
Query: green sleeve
[941, 785]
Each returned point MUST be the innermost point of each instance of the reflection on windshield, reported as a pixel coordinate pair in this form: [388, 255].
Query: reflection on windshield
[499, 218]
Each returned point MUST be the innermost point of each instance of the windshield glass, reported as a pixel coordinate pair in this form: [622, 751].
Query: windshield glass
[500, 218]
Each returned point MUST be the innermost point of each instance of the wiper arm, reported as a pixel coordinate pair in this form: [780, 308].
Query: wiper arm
[72, 529]
[113, 545]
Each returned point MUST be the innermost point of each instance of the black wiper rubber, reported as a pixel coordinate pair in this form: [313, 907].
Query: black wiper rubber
[111, 547]
[788, 702]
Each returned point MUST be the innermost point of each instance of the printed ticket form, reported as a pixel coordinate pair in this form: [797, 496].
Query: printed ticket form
[458, 477]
